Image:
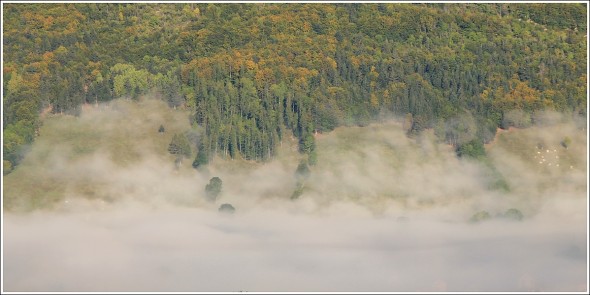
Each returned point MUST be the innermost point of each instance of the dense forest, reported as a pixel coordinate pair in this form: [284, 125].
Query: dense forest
[253, 74]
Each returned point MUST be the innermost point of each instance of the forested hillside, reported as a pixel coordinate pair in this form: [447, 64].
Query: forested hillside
[253, 74]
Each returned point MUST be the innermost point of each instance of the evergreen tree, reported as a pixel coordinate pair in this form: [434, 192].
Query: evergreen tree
[202, 157]
[213, 188]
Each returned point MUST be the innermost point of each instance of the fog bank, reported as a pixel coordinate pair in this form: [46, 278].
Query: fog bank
[98, 205]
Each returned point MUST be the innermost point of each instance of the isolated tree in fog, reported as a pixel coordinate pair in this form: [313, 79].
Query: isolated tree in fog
[301, 175]
[213, 189]
[513, 213]
[302, 172]
[227, 208]
[202, 157]
[480, 216]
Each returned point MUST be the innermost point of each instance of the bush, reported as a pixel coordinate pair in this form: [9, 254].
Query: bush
[480, 216]
[513, 213]
[227, 208]
[202, 157]
[213, 189]
[297, 192]
[302, 172]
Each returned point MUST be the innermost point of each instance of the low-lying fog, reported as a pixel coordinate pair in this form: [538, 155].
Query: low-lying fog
[379, 212]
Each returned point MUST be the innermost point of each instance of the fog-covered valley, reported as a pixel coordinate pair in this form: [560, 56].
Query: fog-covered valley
[98, 204]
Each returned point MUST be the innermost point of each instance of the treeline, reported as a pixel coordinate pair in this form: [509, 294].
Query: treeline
[255, 73]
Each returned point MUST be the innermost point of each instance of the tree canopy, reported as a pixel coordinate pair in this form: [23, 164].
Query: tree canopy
[252, 74]
[213, 188]
[179, 146]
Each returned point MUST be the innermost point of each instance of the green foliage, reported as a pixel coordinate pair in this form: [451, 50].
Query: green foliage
[516, 118]
[555, 15]
[513, 214]
[298, 191]
[460, 129]
[480, 216]
[252, 76]
[419, 123]
[202, 157]
[180, 146]
[15, 139]
[213, 188]
[307, 144]
[302, 172]
[161, 129]
[129, 81]
[473, 149]
[312, 158]
[226, 208]
[408, 122]
[499, 184]
[170, 87]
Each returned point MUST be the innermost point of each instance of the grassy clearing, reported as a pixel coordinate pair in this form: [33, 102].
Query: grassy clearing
[540, 148]
[122, 132]
[372, 165]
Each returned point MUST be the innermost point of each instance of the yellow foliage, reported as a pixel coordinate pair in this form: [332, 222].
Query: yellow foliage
[373, 84]
[333, 91]
[374, 100]
[522, 92]
[355, 62]
[373, 75]
[15, 82]
[275, 18]
[485, 94]
[251, 65]
[520, 96]
[331, 63]
[203, 33]
[306, 27]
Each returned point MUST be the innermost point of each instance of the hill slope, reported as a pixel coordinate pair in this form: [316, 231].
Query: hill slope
[253, 74]
[114, 153]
